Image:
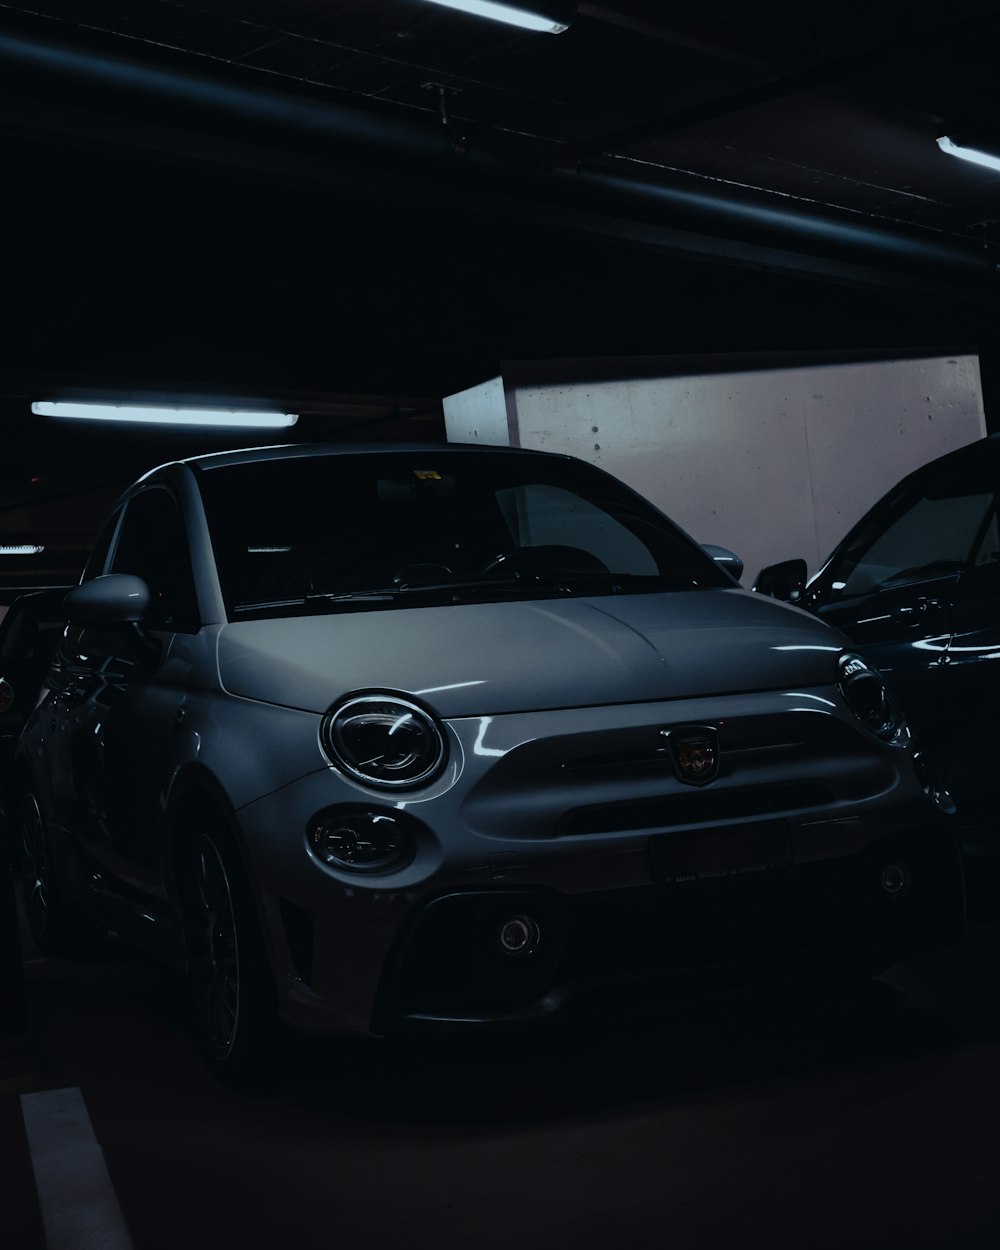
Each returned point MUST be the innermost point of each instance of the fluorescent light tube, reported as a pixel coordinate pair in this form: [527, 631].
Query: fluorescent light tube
[153, 415]
[20, 549]
[968, 154]
[508, 13]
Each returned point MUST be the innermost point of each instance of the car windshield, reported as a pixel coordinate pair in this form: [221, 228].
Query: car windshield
[941, 524]
[371, 530]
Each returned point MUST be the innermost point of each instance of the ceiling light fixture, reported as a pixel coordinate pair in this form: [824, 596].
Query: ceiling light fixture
[968, 154]
[155, 415]
[512, 14]
[20, 549]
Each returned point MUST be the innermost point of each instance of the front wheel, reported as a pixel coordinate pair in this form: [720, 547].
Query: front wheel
[234, 998]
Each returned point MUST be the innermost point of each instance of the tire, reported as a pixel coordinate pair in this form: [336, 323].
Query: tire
[235, 1004]
[55, 926]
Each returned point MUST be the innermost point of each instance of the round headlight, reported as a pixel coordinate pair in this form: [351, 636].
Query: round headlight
[868, 697]
[384, 741]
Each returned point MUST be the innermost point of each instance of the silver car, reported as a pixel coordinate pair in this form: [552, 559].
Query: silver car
[368, 739]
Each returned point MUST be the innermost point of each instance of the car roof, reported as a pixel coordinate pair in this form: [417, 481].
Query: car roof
[291, 451]
[959, 459]
[988, 446]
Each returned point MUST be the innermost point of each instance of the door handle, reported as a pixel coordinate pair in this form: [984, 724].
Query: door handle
[913, 613]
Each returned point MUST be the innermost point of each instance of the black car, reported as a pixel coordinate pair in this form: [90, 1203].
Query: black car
[915, 585]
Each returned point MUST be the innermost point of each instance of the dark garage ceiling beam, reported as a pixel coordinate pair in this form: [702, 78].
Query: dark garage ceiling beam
[724, 43]
[778, 88]
[70, 90]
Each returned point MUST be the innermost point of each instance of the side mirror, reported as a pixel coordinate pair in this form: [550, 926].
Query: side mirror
[725, 559]
[785, 580]
[114, 599]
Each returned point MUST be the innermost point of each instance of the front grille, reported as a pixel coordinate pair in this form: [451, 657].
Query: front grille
[701, 807]
[657, 758]
[612, 774]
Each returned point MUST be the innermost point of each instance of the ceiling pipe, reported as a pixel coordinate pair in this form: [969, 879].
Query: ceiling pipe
[254, 114]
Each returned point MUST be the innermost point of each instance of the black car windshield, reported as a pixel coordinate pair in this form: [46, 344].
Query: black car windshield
[363, 530]
[940, 523]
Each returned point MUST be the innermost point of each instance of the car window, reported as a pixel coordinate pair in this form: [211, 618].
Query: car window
[542, 515]
[99, 552]
[920, 537]
[152, 544]
[988, 552]
[402, 527]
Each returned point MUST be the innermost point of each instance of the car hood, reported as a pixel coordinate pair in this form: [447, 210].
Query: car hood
[491, 658]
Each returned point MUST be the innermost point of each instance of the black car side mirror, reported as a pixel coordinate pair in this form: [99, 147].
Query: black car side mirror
[725, 559]
[115, 599]
[785, 580]
[114, 602]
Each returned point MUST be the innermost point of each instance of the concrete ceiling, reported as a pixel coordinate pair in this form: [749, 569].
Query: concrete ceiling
[807, 126]
[369, 203]
[389, 154]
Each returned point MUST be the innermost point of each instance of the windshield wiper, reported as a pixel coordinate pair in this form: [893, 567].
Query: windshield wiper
[301, 601]
[352, 596]
[524, 586]
[554, 583]
[611, 583]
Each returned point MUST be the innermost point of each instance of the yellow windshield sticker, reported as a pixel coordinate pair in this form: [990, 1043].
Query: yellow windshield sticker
[427, 475]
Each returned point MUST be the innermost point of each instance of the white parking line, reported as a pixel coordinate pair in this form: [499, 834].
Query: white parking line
[79, 1205]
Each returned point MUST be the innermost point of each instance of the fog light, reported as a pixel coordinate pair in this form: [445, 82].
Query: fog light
[895, 878]
[519, 935]
[360, 841]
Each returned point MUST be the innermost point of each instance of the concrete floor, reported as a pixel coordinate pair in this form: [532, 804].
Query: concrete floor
[832, 1124]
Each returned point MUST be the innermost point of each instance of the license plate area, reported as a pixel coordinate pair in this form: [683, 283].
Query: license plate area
[714, 854]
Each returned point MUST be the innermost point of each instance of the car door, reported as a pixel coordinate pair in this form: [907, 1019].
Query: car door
[973, 683]
[28, 636]
[895, 588]
[120, 716]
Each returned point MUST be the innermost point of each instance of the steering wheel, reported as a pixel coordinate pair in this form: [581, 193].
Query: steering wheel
[547, 559]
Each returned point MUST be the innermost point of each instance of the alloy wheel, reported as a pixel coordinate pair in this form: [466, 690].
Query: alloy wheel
[216, 948]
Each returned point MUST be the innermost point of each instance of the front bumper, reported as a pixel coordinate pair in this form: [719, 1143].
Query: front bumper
[360, 959]
[635, 881]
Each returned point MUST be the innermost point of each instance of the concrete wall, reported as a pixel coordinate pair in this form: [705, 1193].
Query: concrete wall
[479, 415]
[773, 463]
